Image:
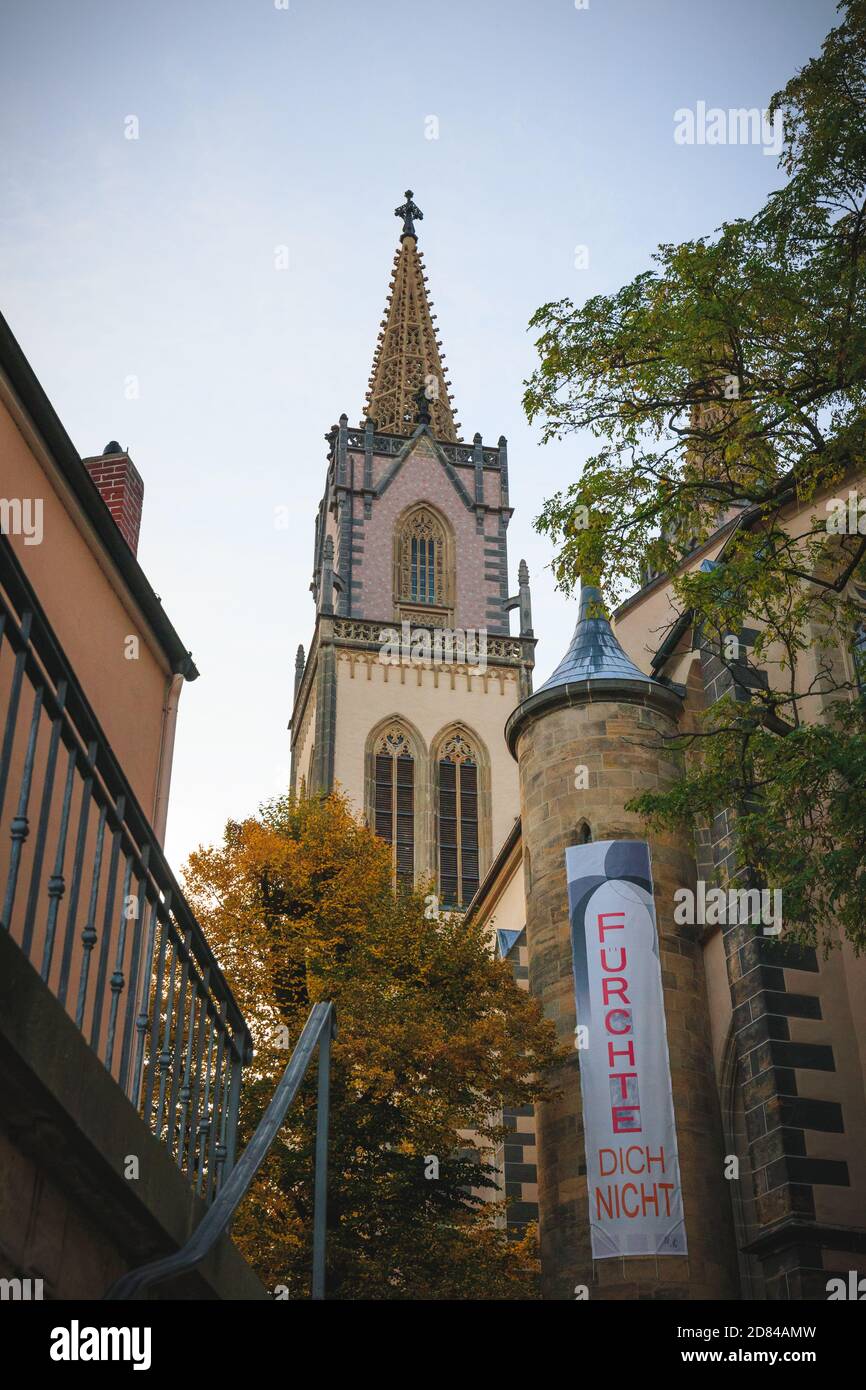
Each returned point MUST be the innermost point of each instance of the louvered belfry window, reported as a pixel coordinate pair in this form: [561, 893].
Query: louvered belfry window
[395, 802]
[458, 822]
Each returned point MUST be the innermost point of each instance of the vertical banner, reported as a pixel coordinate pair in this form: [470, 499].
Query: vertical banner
[633, 1176]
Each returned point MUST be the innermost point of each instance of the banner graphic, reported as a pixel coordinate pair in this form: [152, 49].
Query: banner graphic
[635, 1198]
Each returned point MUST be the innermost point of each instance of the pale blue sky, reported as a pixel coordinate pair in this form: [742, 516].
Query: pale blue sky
[261, 127]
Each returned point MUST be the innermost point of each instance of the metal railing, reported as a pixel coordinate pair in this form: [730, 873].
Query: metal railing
[318, 1030]
[94, 906]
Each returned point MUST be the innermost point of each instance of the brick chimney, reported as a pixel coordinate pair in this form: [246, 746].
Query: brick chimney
[121, 489]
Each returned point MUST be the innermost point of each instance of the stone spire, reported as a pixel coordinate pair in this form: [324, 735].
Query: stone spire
[408, 354]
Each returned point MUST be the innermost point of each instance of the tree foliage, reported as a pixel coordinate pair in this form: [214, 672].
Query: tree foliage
[433, 1039]
[725, 387]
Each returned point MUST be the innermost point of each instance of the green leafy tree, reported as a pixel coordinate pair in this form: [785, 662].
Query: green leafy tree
[434, 1037]
[725, 386]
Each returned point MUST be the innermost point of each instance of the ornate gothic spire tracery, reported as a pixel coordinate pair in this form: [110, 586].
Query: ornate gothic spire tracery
[408, 356]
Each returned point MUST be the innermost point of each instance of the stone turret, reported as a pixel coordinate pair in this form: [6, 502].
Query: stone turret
[591, 738]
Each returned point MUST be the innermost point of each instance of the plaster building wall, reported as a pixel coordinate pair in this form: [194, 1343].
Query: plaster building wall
[93, 619]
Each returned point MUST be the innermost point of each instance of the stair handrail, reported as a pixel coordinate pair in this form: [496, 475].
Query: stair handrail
[319, 1029]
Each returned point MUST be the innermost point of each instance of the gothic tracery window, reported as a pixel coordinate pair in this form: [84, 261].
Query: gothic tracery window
[394, 801]
[422, 560]
[458, 821]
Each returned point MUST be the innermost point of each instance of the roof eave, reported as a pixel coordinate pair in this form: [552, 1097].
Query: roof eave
[36, 405]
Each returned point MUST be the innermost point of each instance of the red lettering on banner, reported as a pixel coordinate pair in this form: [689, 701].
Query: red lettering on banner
[614, 1052]
[625, 1119]
[652, 1197]
[635, 1158]
[629, 1187]
[602, 921]
[636, 1183]
[614, 1201]
[608, 1205]
[606, 1172]
[618, 1013]
[617, 986]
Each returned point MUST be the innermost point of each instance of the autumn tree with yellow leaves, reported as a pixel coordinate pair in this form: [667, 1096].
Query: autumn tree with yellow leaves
[434, 1038]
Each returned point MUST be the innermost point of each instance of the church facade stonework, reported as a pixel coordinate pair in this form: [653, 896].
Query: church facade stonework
[479, 784]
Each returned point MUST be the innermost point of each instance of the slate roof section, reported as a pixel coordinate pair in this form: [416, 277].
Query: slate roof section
[594, 652]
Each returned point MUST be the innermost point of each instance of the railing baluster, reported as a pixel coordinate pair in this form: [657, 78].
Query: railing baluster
[144, 1004]
[12, 711]
[178, 1037]
[107, 918]
[20, 823]
[221, 1146]
[197, 1007]
[88, 933]
[57, 883]
[117, 976]
[77, 870]
[164, 923]
[44, 814]
[203, 1025]
[165, 1049]
[204, 1123]
[217, 1091]
[134, 967]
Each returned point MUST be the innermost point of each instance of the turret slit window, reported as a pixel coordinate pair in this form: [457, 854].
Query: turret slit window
[394, 802]
[458, 822]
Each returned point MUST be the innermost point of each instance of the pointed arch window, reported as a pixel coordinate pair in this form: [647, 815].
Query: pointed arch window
[423, 563]
[458, 821]
[394, 801]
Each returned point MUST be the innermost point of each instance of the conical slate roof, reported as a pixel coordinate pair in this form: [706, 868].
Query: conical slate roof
[595, 668]
[594, 652]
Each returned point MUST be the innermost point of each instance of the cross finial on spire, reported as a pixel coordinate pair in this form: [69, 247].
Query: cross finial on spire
[408, 211]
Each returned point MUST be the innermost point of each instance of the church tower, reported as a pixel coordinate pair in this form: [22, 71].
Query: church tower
[412, 671]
